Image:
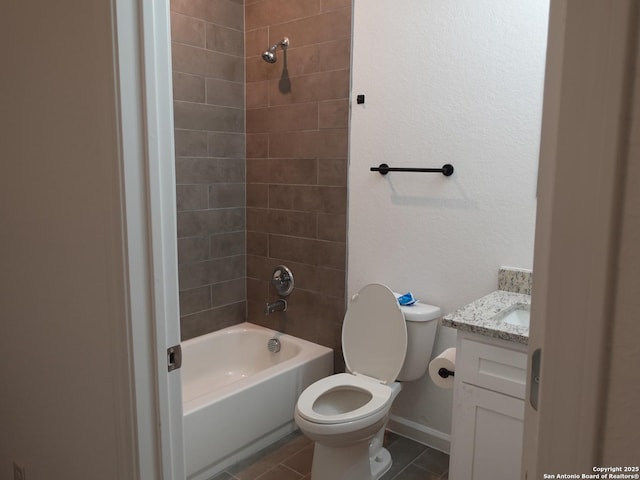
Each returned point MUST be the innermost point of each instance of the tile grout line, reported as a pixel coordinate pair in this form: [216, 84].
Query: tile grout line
[291, 469]
[397, 475]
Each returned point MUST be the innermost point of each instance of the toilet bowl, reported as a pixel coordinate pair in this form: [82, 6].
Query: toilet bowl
[342, 406]
[345, 414]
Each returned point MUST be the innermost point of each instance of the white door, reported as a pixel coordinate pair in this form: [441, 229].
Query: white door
[580, 158]
[146, 111]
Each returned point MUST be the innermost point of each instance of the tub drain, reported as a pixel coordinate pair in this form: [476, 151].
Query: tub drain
[273, 345]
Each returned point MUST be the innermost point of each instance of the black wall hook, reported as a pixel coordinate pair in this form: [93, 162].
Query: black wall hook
[383, 169]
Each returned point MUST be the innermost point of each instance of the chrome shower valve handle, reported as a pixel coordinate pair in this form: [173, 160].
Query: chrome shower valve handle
[282, 280]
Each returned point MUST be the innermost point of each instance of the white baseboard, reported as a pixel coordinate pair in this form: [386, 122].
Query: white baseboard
[420, 433]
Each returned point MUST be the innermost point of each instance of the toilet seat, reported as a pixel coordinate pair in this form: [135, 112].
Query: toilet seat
[381, 396]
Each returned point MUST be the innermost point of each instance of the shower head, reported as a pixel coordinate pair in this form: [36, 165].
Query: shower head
[269, 55]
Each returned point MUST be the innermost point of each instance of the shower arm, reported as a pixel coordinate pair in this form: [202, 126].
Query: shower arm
[284, 43]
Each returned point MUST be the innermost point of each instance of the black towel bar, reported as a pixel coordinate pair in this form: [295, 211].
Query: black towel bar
[383, 169]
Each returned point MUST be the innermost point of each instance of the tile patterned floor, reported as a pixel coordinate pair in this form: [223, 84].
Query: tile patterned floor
[290, 459]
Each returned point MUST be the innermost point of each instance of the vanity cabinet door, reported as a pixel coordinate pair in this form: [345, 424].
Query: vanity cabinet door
[489, 429]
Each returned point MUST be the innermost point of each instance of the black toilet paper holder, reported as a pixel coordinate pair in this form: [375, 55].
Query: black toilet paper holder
[444, 373]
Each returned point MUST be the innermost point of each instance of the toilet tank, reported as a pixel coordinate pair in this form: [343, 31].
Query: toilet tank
[422, 323]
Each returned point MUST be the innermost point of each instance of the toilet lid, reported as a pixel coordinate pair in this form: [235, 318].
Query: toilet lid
[374, 334]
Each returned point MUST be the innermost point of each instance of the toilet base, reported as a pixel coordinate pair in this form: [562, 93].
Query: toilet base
[380, 463]
[360, 461]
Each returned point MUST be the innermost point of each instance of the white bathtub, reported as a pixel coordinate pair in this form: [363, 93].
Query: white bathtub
[238, 397]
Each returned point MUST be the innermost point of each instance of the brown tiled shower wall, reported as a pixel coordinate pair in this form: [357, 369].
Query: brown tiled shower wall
[209, 112]
[297, 119]
[296, 162]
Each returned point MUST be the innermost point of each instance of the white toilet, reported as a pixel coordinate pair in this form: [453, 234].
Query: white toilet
[345, 414]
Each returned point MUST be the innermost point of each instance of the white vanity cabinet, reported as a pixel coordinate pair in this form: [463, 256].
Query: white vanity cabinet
[488, 412]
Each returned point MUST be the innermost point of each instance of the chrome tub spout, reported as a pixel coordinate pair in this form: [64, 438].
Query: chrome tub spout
[277, 306]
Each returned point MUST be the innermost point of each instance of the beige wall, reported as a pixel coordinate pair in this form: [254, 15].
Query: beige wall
[621, 435]
[63, 315]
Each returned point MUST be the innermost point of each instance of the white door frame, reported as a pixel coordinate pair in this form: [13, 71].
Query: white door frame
[580, 157]
[582, 151]
[143, 72]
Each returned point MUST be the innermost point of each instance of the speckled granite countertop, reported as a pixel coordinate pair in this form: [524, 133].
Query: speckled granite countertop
[484, 316]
